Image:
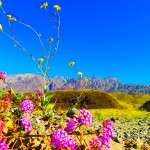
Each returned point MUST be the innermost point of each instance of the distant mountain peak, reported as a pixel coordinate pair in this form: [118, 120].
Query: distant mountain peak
[32, 82]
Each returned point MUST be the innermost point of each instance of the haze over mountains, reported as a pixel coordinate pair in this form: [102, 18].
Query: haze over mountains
[33, 82]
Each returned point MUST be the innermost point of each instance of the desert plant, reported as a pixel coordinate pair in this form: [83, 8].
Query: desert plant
[29, 121]
[48, 54]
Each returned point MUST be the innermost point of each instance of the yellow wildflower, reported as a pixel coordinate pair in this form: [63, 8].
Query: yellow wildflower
[79, 74]
[40, 60]
[8, 16]
[11, 18]
[44, 5]
[139, 143]
[0, 3]
[57, 7]
[51, 40]
[71, 63]
[1, 28]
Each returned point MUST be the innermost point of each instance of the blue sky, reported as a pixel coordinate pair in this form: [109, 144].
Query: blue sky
[104, 37]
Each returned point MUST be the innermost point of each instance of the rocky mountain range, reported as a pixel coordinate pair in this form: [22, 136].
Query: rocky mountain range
[33, 82]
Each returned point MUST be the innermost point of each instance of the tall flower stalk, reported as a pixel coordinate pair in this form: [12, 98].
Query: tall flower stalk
[48, 54]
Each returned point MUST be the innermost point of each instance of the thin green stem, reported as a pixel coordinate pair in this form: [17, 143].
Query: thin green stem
[11, 29]
[8, 22]
[15, 40]
[3, 10]
[58, 39]
[47, 58]
[20, 45]
[38, 35]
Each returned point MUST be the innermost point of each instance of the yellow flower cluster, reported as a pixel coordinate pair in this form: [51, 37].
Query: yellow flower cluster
[71, 63]
[11, 18]
[57, 7]
[1, 28]
[0, 3]
[79, 74]
[44, 5]
[40, 60]
[51, 40]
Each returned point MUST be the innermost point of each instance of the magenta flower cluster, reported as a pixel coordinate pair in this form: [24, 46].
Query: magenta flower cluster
[27, 106]
[40, 94]
[86, 117]
[26, 123]
[60, 139]
[2, 76]
[95, 143]
[72, 124]
[107, 128]
[3, 144]
[103, 141]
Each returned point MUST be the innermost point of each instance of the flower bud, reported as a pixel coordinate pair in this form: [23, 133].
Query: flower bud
[51, 40]
[57, 7]
[44, 5]
[71, 63]
[0, 3]
[11, 18]
[1, 28]
[40, 60]
[79, 74]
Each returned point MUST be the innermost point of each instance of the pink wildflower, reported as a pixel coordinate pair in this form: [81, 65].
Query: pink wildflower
[95, 144]
[40, 94]
[26, 123]
[71, 125]
[105, 141]
[86, 117]
[107, 128]
[27, 106]
[3, 145]
[60, 139]
[2, 76]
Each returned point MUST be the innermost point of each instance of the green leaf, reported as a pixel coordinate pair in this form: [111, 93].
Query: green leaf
[16, 112]
[50, 106]
[59, 120]
[19, 96]
[9, 124]
[2, 92]
[77, 133]
[88, 131]
[41, 103]
[51, 115]
[7, 113]
[46, 101]
[12, 115]
[45, 91]
[22, 133]
[49, 97]
[33, 94]
[34, 122]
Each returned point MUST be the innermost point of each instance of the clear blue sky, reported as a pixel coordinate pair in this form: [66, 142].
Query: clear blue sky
[104, 38]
